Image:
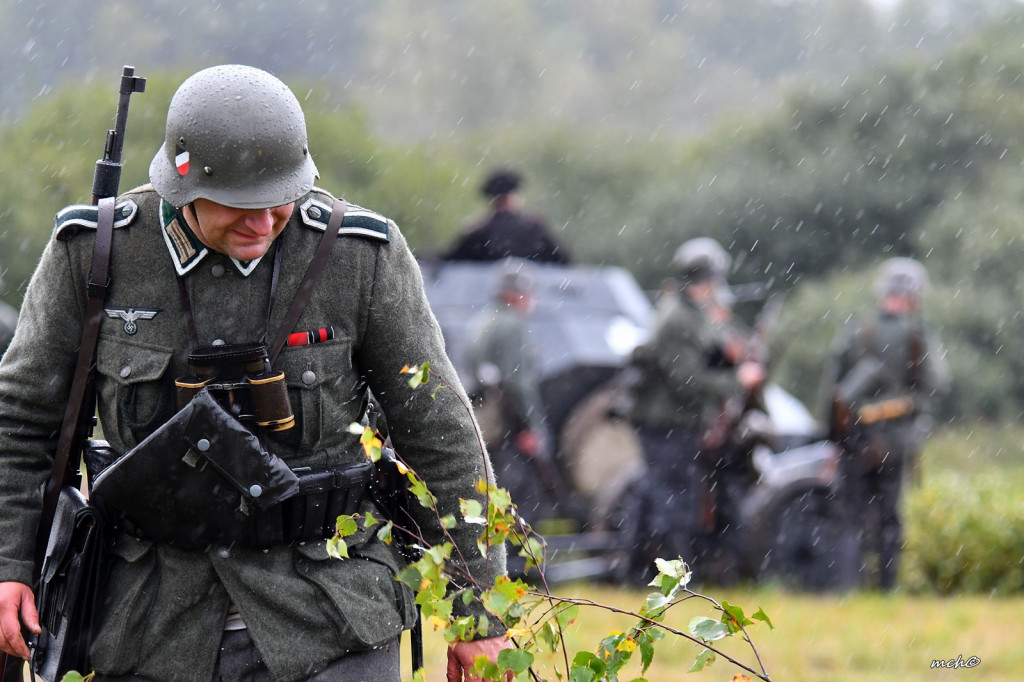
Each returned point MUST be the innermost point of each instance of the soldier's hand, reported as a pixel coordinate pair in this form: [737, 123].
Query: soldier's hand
[462, 654]
[528, 443]
[750, 375]
[17, 605]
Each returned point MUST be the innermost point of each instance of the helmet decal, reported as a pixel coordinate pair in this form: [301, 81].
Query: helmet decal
[181, 160]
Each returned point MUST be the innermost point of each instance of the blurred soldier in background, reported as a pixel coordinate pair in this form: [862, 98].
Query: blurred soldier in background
[8, 321]
[883, 378]
[505, 388]
[686, 378]
[508, 230]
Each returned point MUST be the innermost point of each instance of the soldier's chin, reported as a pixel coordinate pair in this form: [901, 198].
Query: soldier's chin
[248, 251]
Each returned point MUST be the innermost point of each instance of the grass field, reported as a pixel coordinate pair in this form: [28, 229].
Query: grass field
[863, 636]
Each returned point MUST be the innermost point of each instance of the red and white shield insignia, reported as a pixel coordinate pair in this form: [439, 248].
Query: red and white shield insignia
[181, 162]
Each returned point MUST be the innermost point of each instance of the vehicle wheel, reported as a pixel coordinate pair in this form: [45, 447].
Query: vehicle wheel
[797, 538]
[601, 455]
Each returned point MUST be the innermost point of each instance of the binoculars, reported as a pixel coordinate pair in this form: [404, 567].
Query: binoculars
[240, 377]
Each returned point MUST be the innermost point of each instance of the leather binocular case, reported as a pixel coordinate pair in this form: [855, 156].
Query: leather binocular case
[240, 377]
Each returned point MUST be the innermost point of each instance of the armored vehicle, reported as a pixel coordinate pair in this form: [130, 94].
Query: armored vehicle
[586, 322]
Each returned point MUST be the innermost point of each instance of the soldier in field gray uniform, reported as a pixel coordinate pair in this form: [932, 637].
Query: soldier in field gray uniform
[685, 378]
[885, 373]
[506, 385]
[209, 256]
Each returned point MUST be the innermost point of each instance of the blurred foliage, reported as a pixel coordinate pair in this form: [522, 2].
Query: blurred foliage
[965, 535]
[919, 156]
[429, 68]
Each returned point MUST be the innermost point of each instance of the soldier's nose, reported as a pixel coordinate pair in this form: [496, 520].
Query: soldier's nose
[260, 221]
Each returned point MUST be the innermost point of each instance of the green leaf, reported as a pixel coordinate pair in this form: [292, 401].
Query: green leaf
[347, 525]
[586, 666]
[384, 534]
[581, 674]
[441, 608]
[582, 659]
[704, 659]
[734, 617]
[708, 629]
[472, 511]
[423, 495]
[645, 643]
[515, 660]
[654, 606]
[495, 602]
[483, 625]
[676, 568]
[72, 676]
[337, 548]
[411, 577]
[567, 615]
[548, 635]
[763, 617]
[420, 375]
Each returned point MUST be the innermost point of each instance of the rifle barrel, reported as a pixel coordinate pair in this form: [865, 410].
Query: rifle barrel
[107, 176]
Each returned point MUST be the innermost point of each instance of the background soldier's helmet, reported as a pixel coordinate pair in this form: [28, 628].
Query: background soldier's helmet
[236, 135]
[514, 279]
[904, 277]
[701, 259]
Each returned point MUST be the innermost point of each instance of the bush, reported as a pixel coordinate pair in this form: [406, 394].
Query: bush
[965, 534]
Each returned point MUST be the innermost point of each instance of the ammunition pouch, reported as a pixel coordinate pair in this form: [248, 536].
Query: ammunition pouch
[203, 479]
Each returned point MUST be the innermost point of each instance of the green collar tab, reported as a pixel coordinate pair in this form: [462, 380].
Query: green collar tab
[185, 248]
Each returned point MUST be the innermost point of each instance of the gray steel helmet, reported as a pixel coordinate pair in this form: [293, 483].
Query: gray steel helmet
[701, 259]
[236, 135]
[904, 277]
[513, 278]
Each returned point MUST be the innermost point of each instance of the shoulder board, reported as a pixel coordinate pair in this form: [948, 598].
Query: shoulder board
[77, 217]
[358, 221]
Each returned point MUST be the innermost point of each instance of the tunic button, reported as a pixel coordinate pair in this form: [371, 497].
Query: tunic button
[218, 342]
[217, 270]
[308, 377]
[126, 371]
[313, 212]
[255, 490]
[202, 445]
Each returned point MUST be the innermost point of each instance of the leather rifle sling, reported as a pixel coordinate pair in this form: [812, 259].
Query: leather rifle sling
[319, 260]
[82, 387]
[80, 395]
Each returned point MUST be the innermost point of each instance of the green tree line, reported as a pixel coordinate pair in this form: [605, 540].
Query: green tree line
[919, 157]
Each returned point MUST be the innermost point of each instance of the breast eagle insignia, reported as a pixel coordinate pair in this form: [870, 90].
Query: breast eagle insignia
[130, 315]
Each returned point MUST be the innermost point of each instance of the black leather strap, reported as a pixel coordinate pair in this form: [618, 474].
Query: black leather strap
[323, 252]
[82, 398]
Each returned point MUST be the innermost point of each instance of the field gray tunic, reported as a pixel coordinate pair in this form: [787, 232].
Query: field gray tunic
[163, 610]
[682, 386]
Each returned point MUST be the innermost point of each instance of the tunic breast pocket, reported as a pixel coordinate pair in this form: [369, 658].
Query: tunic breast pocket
[135, 392]
[324, 390]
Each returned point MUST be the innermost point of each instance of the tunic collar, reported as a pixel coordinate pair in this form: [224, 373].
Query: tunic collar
[186, 250]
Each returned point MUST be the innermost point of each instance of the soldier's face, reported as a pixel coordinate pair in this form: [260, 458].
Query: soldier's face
[242, 233]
